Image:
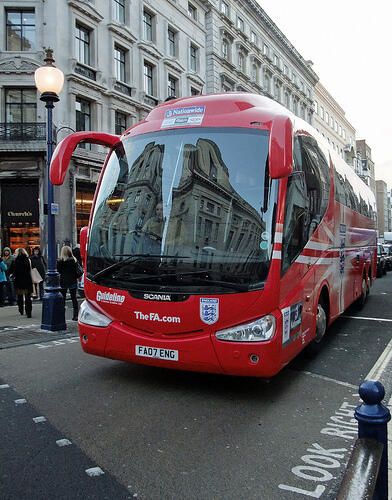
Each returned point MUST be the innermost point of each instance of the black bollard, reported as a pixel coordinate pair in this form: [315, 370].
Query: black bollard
[372, 419]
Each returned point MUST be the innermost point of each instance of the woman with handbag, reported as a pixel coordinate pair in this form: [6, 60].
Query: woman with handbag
[20, 270]
[38, 263]
[68, 268]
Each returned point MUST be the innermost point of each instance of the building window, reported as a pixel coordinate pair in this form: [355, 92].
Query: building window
[192, 12]
[276, 61]
[171, 37]
[254, 73]
[21, 105]
[193, 57]
[195, 91]
[224, 8]
[148, 83]
[213, 175]
[119, 64]
[287, 100]
[20, 30]
[82, 44]
[265, 49]
[120, 123]
[253, 38]
[147, 23]
[240, 24]
[172, 86]
[241, 62]
[315, 107]
[267, 83]
[294, 78]
[83, 114]
[119, 10]
[286, 70]
[322, 112]
[225, 50]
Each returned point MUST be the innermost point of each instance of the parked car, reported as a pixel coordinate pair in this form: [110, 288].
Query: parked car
[381, 261]
[388, 257]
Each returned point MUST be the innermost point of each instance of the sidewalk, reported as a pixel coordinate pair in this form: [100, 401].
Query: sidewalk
[19, 330]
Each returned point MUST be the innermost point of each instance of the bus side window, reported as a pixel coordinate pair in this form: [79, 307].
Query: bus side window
[307, 198]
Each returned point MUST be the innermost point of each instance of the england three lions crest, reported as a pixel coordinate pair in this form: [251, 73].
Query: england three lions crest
[209, 310]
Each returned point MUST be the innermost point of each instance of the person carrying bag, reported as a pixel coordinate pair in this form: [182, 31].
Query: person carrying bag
[20, 270]
[38, 271]
[68, 268]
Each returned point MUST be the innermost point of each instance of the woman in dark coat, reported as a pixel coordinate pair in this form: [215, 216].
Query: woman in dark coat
[39, 263]
[67, 268]
[20, 270]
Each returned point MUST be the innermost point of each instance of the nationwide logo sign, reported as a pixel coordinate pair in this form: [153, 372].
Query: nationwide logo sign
[182, 117]
[110, 298]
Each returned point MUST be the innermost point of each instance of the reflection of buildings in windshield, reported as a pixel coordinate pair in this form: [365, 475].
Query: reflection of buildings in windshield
[216, 228]
[208, 220]
[133, 201]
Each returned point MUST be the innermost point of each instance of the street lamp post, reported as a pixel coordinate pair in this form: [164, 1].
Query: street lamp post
[49, 81]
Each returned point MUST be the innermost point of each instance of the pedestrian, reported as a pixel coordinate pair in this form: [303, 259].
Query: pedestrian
[39, 263]
[8, 258]
[3, 280]
[67, 268]
[76, 253]
[20, 270]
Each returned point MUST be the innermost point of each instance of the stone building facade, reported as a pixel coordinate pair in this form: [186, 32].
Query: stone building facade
[120, 58]
[330, 120]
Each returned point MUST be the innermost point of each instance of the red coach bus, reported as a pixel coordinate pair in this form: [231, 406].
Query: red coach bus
[225, 236]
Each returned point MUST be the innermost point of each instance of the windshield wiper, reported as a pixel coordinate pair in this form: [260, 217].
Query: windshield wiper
[192, 277]
[130, 259]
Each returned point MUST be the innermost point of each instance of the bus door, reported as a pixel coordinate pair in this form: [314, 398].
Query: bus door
[307, 198]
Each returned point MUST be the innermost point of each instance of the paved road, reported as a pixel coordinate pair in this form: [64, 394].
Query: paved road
[165, 434]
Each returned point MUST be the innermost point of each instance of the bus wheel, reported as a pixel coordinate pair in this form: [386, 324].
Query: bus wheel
[321, 327]
[361, 300]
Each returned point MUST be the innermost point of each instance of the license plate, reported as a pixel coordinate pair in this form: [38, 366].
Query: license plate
[156, 352]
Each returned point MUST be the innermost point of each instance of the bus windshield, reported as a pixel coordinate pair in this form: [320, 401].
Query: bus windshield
[190, 210]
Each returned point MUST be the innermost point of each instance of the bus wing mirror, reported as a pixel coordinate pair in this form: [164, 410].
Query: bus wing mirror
[281, 147]
[83, 242]
[63, 152]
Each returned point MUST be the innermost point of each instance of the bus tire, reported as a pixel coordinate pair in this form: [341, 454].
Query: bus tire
[361, 300]
[315, 345]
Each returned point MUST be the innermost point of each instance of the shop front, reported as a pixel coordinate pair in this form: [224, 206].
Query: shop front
[20, 215]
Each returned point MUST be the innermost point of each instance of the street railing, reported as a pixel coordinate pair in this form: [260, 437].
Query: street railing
[366, 476]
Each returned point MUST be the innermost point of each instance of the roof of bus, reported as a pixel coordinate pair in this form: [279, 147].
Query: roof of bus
[229, 109]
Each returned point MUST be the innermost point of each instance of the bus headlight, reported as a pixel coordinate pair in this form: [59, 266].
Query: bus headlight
[257, 331]
[90, 316]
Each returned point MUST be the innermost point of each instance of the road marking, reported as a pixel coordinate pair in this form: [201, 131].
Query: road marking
[20, 401]
[55, 343]
[63, 442]
[328, 379]
[368, 319]
[94, 471]
[380, 365]
[4, 386]
[37, 420]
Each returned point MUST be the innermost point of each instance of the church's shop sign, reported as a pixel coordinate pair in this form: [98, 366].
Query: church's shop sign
[19, 204]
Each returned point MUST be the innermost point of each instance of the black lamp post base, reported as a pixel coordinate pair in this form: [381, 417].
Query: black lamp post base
[53, 311]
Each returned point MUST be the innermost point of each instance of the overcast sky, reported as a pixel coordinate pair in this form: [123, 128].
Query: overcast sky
[349, 42]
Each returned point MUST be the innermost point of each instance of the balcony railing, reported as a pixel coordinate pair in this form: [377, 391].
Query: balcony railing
[22, 131]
